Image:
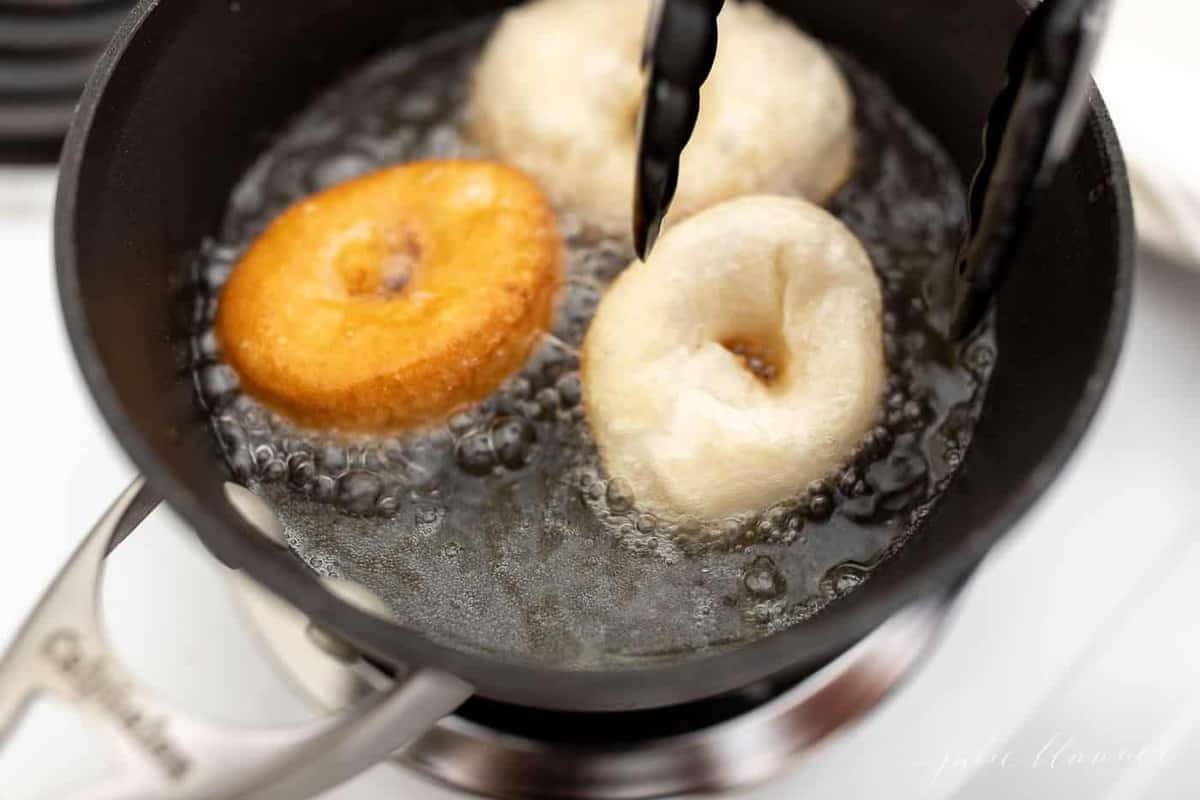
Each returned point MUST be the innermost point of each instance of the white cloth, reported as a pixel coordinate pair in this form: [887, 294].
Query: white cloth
[1146, 73]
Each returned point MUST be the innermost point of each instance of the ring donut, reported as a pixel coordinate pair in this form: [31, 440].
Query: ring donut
[393, 299]
[742, 361]
[559, 87]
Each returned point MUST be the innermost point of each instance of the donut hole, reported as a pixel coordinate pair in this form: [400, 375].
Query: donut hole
[764, 357]
[631, 118]
[378, 264]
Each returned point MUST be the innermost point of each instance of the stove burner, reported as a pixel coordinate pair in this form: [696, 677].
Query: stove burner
[502, 751]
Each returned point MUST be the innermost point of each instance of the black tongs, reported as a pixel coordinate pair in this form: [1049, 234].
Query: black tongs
[681, 43]
[1030, 131]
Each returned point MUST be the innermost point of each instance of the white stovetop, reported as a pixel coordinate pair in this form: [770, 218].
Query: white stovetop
[1068, 670]
[1079, 637]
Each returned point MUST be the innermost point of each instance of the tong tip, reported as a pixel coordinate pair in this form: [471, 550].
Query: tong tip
[681, 44]
[649, 210]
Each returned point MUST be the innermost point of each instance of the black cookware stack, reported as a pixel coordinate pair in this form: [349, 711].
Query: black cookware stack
[47, 50]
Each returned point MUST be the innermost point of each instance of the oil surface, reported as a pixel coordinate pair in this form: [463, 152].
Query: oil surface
[498, 532]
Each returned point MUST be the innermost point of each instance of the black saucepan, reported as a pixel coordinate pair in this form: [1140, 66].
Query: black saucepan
[190, 92]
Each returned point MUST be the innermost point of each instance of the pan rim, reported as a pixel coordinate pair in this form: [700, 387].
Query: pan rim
[636, 687]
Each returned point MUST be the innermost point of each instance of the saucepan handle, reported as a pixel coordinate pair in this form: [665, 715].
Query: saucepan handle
[167, 754]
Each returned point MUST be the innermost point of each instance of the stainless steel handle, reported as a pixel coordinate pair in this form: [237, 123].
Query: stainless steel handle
[167, 754]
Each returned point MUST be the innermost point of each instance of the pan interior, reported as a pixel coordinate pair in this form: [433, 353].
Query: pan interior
[543, 561]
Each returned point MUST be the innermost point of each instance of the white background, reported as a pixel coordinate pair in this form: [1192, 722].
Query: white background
[1077, 639]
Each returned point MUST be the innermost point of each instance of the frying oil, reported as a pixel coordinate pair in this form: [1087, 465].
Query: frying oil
[499, 531]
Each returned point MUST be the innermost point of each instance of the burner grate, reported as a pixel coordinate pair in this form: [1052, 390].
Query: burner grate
[497, 750]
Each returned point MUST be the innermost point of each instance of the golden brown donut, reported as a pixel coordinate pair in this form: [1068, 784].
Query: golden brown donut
[394, 299]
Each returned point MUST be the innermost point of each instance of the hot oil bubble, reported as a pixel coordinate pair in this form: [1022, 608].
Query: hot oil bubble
[604, 258]
[548, 402]
[230, 432]
[340, 167]
[898, 473]
[462, 423]
[795, 525]
[619, 496]
[551, 361]
[216, 266]
[274, 470]
[595, 491]
[425, 460]
[325, 489]
[570, 389]
[879, 441]
[763, 579]
[263, 453]
[820, 505]
[513, 439]
[844, 578]
[387, 505]
[205, 347]
[578, 308]
[358, 491]
[241, 464]
[445, 141]
[981, 357]
[332, 459]
[519, 387]
[428, 518]
[475, 454]
[217, 384]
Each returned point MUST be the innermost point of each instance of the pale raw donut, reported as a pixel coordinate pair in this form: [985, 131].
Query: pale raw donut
[559, 87]
[685, 421]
